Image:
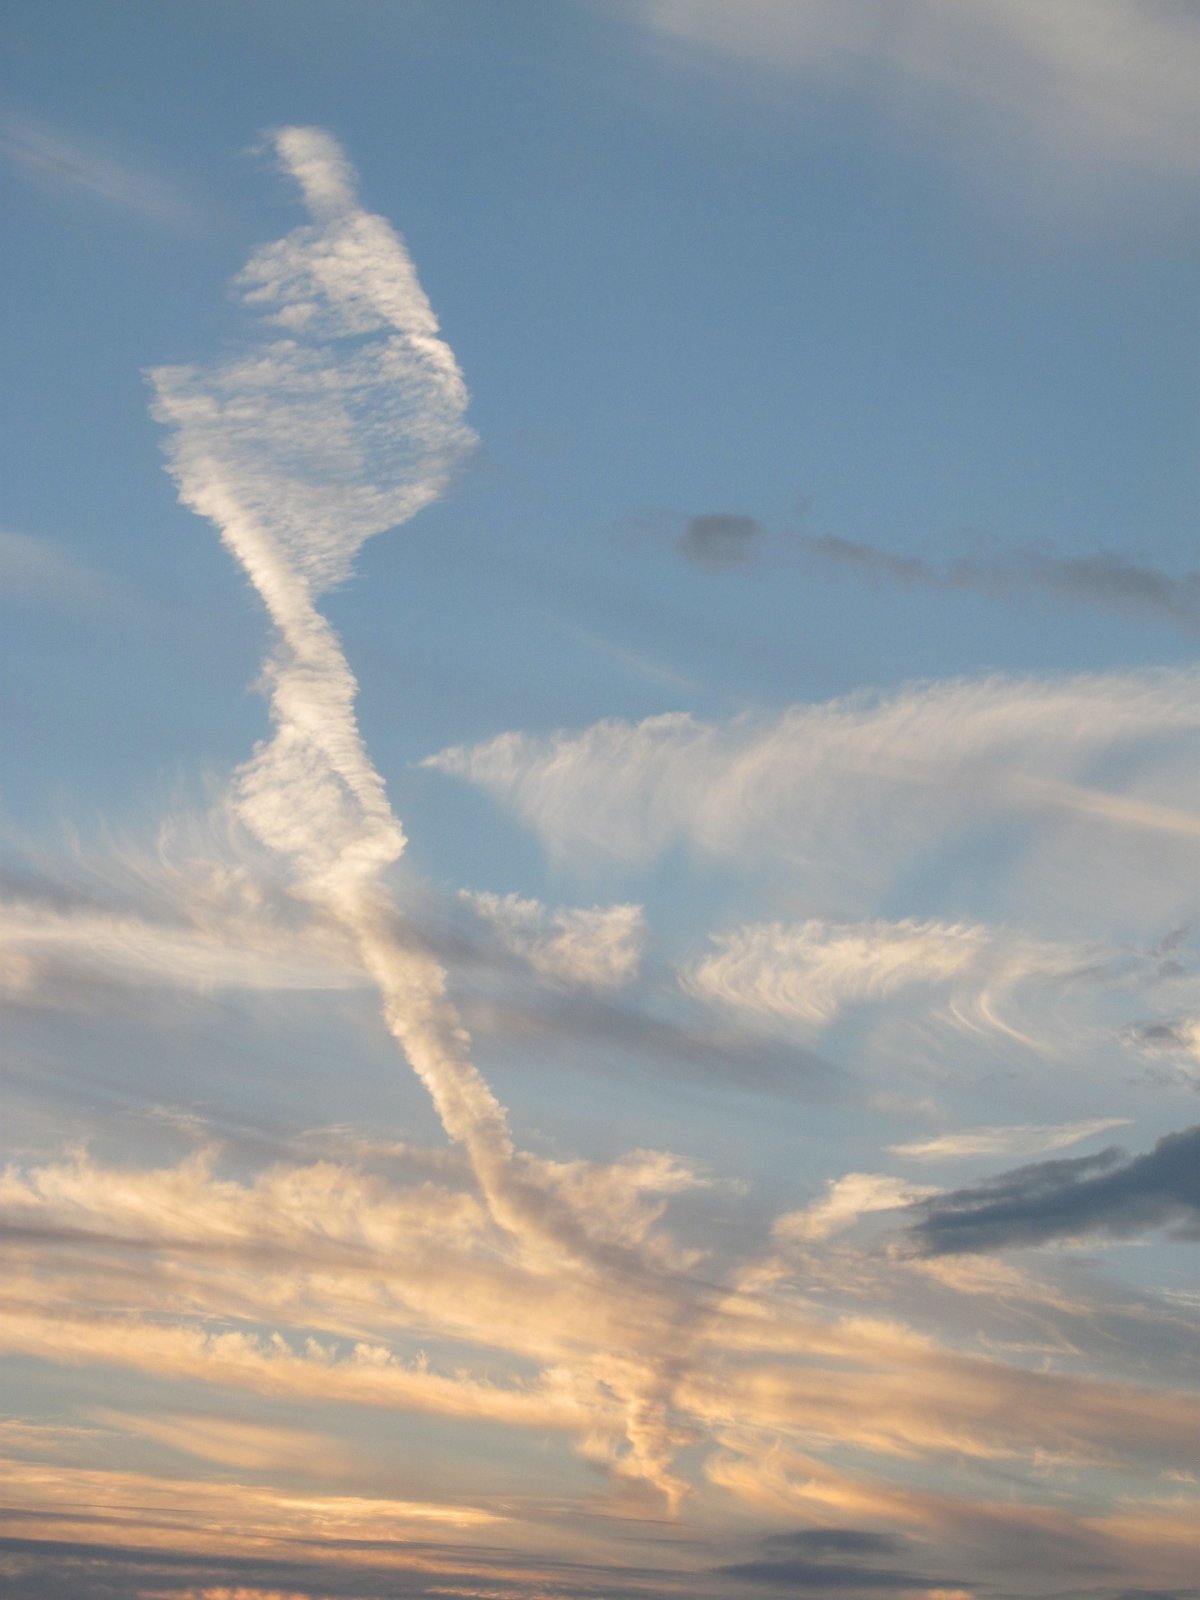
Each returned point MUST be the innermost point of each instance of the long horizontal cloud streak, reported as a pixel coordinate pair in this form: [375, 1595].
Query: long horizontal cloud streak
[299, 451]
[1107, 581]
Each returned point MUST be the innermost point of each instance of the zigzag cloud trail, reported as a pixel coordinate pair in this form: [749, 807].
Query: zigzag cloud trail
[343, 423]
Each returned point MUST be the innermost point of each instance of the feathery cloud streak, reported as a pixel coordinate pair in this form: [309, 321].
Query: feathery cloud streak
[1023, 1140]
[877, 778]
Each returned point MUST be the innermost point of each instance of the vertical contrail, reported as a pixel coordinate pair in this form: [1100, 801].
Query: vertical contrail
[344, 422]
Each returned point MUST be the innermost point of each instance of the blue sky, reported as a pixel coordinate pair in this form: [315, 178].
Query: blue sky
[598, 879]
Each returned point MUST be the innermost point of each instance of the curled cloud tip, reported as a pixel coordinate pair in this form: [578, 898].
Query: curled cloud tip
[311, 443]
[319, 165]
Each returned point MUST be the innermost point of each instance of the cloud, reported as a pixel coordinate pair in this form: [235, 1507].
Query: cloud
[39, 569]
[1114, 85]
[164, 1273]
[1176, 1041]
[1012, 1141]
[843, 793]
[1070, 1198]
[200, 908]
[993, 1534]
[59, 162]
[795, 1574]
[49, 955]
[825, 1560]
[596, 947]
[492, 1287]
[1104, 579]
[846, 1200]
[811, 970]
[970, 979]
[720, 539]
[346, 418]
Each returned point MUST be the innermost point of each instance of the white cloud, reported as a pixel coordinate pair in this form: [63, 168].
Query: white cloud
[810, 970]
[594, 947]
[1025, 1140]
[842, 796]
[970, 976]
[846, 1200]
[1108, 82]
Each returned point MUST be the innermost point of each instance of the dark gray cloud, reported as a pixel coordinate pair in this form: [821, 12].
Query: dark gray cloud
[830, 1559]
[1104, 1193]
[344, 1569]
[720, 539]
[1102, 579]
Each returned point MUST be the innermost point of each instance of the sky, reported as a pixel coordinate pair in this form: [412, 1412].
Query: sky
[599, 857]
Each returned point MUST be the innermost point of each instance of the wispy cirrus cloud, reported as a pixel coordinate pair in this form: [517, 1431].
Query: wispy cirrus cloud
[1014, 1141]
[810, 971]
[1077, 83]
[41, 569]
[843, 795]
[68, 165]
